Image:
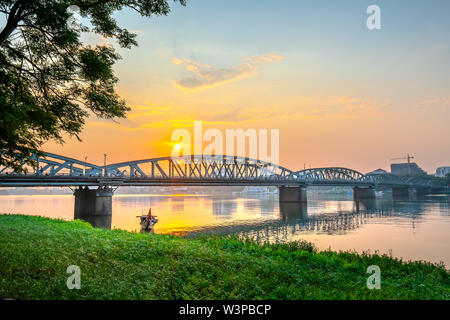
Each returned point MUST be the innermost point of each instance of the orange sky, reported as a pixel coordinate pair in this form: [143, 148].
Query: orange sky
[340, 94]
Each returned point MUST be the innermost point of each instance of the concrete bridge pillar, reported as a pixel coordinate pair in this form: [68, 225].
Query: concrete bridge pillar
[292, 194]
[423, 191]
[93, 204]
[363, 193]
[403, 193]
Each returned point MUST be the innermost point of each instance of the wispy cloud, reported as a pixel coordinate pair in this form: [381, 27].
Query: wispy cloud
[205, 76]
[144, 117]
[302, 107]
[443, 102]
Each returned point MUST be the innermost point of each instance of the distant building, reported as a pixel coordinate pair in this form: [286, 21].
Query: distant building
[442, 171]
[378, 171]
[404, 169]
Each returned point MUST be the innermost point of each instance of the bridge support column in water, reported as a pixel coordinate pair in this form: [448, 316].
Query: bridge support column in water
[94, 205]
[404, 193]
[363, 193]
[292, 194]
[420, 192]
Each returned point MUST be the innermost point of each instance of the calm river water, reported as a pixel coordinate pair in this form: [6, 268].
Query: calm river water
[410, 229]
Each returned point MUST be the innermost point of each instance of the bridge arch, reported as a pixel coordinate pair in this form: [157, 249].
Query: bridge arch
[386, 179]
[51, 164]
[201, 167]
[330, 174]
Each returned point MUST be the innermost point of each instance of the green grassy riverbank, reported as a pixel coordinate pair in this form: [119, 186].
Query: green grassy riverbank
[35, 253]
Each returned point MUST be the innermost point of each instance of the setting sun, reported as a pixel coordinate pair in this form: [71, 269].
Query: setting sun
[177, 147]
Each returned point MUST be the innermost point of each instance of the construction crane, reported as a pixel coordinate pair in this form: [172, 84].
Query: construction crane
[408, 157]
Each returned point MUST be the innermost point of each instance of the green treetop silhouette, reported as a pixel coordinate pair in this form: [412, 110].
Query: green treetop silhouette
[49, 80]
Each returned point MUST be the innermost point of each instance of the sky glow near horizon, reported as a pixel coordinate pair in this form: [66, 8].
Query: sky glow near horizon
[341, 95]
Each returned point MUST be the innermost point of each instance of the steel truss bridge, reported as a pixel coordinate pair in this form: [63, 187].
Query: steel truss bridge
[57, 170]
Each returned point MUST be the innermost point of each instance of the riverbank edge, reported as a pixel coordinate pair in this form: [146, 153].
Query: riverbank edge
[36, 252]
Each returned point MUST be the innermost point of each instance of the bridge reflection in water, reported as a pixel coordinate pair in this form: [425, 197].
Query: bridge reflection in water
[290, 220]
[295, 220]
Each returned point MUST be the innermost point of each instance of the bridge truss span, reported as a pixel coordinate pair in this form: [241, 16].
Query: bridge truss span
[332, 175]
[50, 164]
[201, 168]
[56, 170]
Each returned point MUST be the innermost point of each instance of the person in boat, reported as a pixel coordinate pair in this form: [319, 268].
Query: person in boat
[149, 214]
[149, 220]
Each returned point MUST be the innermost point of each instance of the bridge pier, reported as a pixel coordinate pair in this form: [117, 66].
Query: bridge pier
[403, 193]
[94, 205]
[420, 192]
[292, 194]
[363, 193]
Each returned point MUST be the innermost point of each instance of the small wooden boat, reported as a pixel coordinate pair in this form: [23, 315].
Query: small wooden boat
[147, 223]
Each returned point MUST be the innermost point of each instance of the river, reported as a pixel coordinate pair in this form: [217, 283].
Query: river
[408, 229]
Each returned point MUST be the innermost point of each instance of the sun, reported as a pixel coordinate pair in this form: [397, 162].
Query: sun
[177, 147]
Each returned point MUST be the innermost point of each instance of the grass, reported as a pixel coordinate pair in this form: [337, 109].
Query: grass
[35, 253]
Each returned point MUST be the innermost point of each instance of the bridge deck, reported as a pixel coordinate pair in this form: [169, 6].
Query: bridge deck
[61, 181]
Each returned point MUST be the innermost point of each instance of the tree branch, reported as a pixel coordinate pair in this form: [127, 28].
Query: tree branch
[14, 17]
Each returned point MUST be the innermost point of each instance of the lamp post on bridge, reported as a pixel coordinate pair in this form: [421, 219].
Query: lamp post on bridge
[104, 163]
